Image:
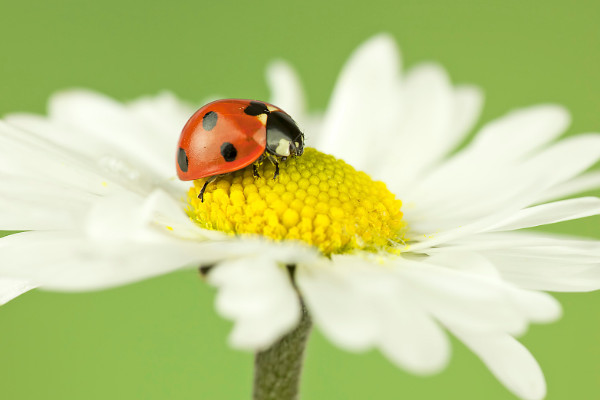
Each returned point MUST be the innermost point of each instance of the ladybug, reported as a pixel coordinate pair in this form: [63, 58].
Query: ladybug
[228, 135]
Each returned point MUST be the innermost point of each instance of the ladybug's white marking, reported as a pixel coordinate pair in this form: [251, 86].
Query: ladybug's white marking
[283, 148]
[262, 118]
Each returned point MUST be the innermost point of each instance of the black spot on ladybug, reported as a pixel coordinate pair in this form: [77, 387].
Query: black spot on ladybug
[209, 120]
[182, 160]
[256, 108]
[228, 151]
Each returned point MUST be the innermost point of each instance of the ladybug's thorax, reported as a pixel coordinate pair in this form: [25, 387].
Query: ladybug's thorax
[284, 138]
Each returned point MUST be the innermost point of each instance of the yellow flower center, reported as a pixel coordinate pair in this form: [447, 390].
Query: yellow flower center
[316, 199]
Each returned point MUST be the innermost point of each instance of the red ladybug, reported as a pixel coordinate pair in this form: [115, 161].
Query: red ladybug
[228, 135]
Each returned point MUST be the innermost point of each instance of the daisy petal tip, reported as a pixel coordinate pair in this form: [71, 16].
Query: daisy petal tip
[429, 69]
[250, 335]
[286, 88]
[549, 114]
[533, 390]
[510, 362]
[278, 67]
[242, 338]
[423, 364]
[472, 94]
[71, 106]
[259, 299]
[558, 113]
[380, 39]
[379, 47]
[551, 312]
[73, 94]
[13, 288]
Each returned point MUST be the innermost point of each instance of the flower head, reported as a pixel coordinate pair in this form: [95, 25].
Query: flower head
[316, 199]
[424, 239]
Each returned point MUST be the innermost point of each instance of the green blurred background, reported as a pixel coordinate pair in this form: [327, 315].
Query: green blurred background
[161, 338]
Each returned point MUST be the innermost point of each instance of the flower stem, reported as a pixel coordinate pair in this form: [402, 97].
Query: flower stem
[277, 370]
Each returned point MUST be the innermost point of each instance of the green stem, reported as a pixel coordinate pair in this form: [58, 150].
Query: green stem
[278, 369]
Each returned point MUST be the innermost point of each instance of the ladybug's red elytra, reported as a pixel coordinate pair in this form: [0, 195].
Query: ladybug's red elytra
[228, 135]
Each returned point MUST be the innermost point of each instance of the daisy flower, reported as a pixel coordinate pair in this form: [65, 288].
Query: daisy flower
[388, 235]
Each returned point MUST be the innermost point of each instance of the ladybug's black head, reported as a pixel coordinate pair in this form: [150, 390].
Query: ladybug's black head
[284, 138]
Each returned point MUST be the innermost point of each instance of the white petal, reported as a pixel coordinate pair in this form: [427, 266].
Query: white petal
[412, 339]
[359, 305]
[128, 216]
[336, 302]
[518, 239]
[287, 93]
[11, 288]
[33, 203]
[580, 184]
[64, 136]
[508, 217]
[532, 306]
[542, 271]
[167, 213]
[563, 161]
[286, 90]
[25, 154]
[506, 139]
[468, 102]
[165, 114]
[473, 301]
[426, 111]
[485, 201]
[116, 218]
[72, 262]
[424, 241]
[258, 296]
[160, 218]
[75, 261]
[509, 361]
[536, 261]
[488, 174]
[363, 104]
[538, 307]
[50, 142]
[462, 108]
[551, 213]
[464, 261]
[106, 120]
[495, 184]
[521, 132]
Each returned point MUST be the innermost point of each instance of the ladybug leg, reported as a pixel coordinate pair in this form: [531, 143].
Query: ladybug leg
[201, 195]
[255, 170]
[209, 180]
[276, 164]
